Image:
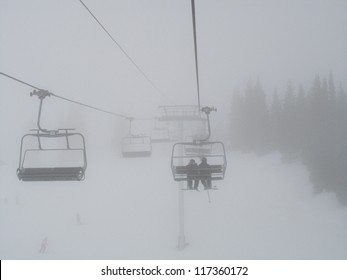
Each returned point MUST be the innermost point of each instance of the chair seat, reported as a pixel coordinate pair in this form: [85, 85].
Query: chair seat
[51, 174]
[213, 172]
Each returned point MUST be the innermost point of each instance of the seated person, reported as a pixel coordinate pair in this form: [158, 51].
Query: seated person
[192, 175]
[205, 173]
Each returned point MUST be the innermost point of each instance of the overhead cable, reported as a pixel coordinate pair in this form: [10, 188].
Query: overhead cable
[66, 99]
[122, 49]
[20, 81]
[196, 52]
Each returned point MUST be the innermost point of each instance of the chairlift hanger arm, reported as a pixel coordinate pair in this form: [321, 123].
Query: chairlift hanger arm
[41, 94]
[207, 110]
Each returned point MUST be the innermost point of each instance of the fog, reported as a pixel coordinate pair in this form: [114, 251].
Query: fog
[128, 208]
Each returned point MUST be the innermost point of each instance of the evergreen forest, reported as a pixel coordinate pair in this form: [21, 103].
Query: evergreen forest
[309, 126]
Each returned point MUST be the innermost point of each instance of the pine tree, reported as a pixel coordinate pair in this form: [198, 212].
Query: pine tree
[261, 129]
[301, 118]
[250, 119]
[237, 122]
[275, 121]
[331, 90]
[289, 144]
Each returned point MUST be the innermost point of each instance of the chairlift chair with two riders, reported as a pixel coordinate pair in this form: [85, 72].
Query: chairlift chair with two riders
[213, 152]
[136, 145]
[51, 155]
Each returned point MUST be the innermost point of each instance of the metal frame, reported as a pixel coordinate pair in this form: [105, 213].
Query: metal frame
[162, 131]
[140, 152]
[189, 156]
[164, 135]
[50, 173]
[137, 152]
[22, 172]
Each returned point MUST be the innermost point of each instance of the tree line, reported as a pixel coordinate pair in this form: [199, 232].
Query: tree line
[310, 126]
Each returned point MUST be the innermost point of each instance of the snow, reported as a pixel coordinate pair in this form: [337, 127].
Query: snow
[128, 209]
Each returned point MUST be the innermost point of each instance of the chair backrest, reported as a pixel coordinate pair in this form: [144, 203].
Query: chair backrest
[213, 172]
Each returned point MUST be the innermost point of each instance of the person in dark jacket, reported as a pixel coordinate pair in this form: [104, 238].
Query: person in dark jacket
[192, 175]
[205, 174]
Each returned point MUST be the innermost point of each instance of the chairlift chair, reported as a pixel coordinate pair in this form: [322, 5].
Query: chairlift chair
[137, 146]
[160, 135]
[40, 163]
[43, 158]
[160, 132]
[216, 160]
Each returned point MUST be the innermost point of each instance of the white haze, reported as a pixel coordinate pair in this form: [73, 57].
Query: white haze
[129, 208]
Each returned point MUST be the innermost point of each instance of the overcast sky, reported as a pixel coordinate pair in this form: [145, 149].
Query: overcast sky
[58, 46]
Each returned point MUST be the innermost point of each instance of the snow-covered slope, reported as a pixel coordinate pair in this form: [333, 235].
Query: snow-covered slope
[128, 209]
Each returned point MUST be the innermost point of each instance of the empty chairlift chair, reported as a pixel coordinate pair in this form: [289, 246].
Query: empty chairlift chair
[160, 133]
[51, 155]
[54, 156]
[136, 146]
